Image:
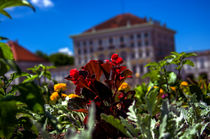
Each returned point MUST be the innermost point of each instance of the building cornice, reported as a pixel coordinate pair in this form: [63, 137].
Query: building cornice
[150, 24]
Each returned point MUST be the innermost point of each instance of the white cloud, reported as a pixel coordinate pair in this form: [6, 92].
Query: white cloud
[65, 51]
[42, 3]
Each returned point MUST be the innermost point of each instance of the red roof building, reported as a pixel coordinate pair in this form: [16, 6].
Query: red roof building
[24, 58]
[22, 54]
[118, 21]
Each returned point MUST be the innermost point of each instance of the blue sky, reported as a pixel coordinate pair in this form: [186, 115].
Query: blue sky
[48, 29]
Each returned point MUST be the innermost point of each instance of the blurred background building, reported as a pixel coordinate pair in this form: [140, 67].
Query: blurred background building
[137, 40]
[201, 68]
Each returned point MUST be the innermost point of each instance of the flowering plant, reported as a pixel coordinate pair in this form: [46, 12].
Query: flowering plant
[110, 93]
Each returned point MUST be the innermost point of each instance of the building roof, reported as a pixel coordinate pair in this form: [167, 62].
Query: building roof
[118, 21]
[22, 54]
[203, 53]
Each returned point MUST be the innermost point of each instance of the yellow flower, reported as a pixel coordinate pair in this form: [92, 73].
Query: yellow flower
[124, 86]
[184, 83]
[60, 87]
[155, 86]
[73, 96]
[161, 91]
[54, 96]
[64, 95]
[173, 88]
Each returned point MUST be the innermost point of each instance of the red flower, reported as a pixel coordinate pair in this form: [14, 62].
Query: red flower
[74, 73]
[121, 95]
[114, 57]
[116, 60]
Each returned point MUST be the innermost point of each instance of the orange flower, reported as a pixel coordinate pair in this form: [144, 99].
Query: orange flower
[161, 91]
[64, 95]
[184, 84]
[54, 96]
[173, 88]
[73, 96]
[155, 86]
[60, 87]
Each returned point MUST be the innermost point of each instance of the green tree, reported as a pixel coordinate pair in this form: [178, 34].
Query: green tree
[42, 55]
[60, 59]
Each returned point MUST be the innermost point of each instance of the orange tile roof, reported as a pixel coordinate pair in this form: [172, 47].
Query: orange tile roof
[22, 54]
[118, 21]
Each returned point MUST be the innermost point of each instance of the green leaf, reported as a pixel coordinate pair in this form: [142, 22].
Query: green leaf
[188, 62]
[151, 101]
[13, 3]
[115, 122]
[172, 78]
[5, 51]
[162, 129]
[8, 121]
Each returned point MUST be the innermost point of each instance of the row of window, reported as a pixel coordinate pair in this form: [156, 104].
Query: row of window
[123, 54]
[100, 48]
[110, 40]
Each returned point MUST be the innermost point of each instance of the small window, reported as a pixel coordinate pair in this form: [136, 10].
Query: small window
[78, 44]
[138, 36]
[146, 35]
[141, 68]
[146, 43]
[133, 55]
[147, 53]
[90, 42]
[100, 42]
[134, 69]
[121, 39]
[110, 40]
[122, 46]
[91, 49]
[84, 43]
[139, 44]
[79, 51]
[85, 51]
[132, 44]
[131, 37]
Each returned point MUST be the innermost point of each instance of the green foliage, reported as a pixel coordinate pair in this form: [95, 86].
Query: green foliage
[12, 3]
[42, 55]
[60, 59]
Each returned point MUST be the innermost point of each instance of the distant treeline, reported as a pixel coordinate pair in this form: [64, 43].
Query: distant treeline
[58, 59]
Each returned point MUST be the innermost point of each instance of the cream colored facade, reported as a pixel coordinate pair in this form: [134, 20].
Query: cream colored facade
[137, 45]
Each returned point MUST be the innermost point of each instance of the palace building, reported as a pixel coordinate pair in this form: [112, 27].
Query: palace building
[137, 40]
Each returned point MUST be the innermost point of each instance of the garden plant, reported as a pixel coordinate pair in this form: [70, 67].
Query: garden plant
[103, 104]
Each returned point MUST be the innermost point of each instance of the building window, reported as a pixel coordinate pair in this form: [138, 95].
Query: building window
[122, 46]
[84, 43]
[134, 69]
[202, 66]
[79, 51]
[139, 44]
[141, 68]
[146, 43]
[78, 44]
[100, 42]
[147, 53]
[85, 51]
[133, 55]
[91, 49]
[110, 40]
[132, 45]
[140, 54]
[121, 39]
[146, 35]
[131, 37]
[90, 42]
[139, 36]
